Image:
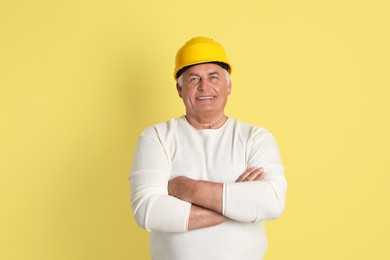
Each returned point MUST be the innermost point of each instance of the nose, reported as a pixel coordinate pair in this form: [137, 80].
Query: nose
[203, 84]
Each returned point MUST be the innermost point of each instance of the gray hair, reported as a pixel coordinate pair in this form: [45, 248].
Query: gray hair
[180, 79]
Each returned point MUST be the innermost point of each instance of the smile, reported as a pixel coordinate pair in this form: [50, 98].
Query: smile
[205, 97]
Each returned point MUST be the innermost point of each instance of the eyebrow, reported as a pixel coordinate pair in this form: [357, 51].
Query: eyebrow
[193, 74]
[213, 73]
[208, 74]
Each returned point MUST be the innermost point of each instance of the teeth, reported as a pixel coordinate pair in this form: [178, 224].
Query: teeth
[204, 97]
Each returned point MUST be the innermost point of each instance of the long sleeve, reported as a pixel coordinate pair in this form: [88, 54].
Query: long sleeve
[258, 200]
[174, 148]
[153, 208]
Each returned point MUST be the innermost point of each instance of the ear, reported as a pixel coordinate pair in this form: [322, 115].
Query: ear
[229, 87]
[179, 88]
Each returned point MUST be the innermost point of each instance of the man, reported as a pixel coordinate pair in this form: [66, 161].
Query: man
[203, 184]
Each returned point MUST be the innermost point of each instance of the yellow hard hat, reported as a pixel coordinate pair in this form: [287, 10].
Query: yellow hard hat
[200, 50]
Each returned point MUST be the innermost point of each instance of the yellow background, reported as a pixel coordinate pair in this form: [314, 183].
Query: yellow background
[80, 80]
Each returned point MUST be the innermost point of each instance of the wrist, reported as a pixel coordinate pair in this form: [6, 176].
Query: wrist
[197, 191]
[208, 194]
[185, 189]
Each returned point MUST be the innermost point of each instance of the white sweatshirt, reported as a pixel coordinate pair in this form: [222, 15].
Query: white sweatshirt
[175, 148]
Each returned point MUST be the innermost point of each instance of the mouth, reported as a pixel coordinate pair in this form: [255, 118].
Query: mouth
[205, 97]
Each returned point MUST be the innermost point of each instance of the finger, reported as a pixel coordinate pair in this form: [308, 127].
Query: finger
[260, 177]
[254, 175]
[245, 174]
[250, 174]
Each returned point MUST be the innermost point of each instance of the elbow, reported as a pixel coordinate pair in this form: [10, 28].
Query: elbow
[140, 220]
[139, 216]
[273, 208]
[141, 206]
[273, 211]
[161, 214]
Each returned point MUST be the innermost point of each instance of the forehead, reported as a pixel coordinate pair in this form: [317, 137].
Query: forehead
[205, 68]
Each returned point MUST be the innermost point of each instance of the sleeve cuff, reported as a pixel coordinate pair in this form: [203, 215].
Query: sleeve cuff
[224, 192]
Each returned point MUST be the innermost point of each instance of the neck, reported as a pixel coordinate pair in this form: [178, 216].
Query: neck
[205, 122]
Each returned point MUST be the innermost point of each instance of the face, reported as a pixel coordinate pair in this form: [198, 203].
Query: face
[204, 88]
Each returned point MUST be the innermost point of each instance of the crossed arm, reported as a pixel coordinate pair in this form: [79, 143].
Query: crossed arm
[206, 197]
[177, 205]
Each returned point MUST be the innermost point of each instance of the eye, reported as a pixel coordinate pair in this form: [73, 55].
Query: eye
[214, 77]
[193, 80]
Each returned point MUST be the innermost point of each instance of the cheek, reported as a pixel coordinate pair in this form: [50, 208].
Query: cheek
[188, 93]
[226, 91]
[186, 98]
